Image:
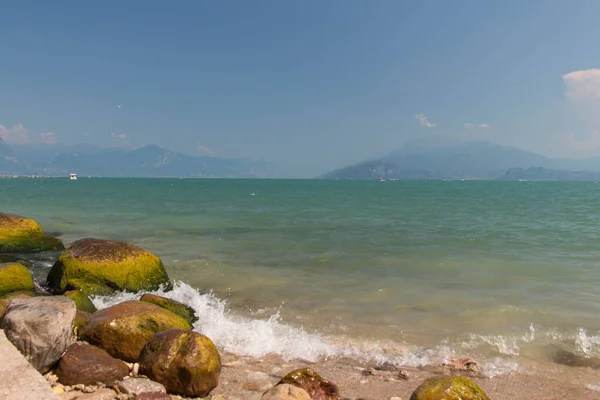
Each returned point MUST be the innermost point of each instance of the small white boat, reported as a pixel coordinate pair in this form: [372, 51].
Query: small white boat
[73, 177]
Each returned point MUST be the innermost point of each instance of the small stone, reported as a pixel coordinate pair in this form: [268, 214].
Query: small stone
[135, 369]
[137, 386]
[403, 374]
[386, 366]
[89, 389]
[364, 381]
[286, 391]
[79, 386]
[58, 389]
[395, 398]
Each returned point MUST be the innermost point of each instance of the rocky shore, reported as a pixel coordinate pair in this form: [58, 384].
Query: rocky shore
[147, 348]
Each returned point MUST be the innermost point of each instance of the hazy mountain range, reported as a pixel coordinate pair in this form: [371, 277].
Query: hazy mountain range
[147, 161]
[428, 158]
[444, 158]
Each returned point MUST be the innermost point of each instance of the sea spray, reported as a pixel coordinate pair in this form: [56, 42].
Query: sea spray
[260, 337]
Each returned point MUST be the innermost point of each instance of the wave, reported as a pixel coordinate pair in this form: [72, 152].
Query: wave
[258, 337]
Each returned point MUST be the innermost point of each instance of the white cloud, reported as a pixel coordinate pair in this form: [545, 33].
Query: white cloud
[48, 137]
[583, 85]
[18, 134]
[472, 125]
[205, 150]
[425, 121]
[118, 136]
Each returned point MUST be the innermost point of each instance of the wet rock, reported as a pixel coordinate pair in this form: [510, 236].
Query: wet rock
[14, 277]
[19, 379]
[386, 366]
[87, 364]
[24, 235]
[81, 300]
[185, 362]
[137, 386]
[316, 387]
[107, 264]
[40, 327]
[571, 359]
[448, 388]
[124, 329]
[186, 312]
[286, 391]
[80, 318]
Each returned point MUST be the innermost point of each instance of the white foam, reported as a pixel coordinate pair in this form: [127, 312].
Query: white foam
[264, 333]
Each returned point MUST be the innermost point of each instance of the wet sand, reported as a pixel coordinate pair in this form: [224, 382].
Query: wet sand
[247, 378]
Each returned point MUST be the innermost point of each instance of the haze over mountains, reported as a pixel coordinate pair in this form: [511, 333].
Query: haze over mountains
[437, 157]
[146, 161]
[434, 157]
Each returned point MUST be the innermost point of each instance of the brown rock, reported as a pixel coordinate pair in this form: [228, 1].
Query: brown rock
[124, 329]
[185, 362]
[316, 387]
[87, 364]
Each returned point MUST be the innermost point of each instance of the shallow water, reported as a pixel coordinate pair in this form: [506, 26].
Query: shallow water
[411, 272]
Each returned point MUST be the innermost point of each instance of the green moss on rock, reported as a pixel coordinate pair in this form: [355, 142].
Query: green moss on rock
[84, 286]
[82, 301]
[21, 294]
[184, 362]
[80, 318]
[176, 307]
[448, 388]
[24, 235]
[3, 307]
[14, 277]
[124, 329]
[107, 264]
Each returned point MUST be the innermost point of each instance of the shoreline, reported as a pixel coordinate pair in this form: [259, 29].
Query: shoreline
[246, 377]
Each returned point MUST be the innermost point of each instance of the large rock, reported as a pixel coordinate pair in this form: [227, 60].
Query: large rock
[184, 362]
[448, 388]
[124, 329]
[82, 301]
[285, 391]
[316, 387]
[109, 264]
[19, 380]
[88, 365]
[178, 308]
[40, 327]
[23, 235]
[14, 277]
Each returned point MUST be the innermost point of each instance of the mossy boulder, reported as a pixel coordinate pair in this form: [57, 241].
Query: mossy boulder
[316, 387]
[184, 362]
[14, 277]
[84, 286]
[24, 235]
[174, 306]
[107, 264]
[21, 294]
[82, 301]
[3, 307]
[448, 388]
[80, 318]
[124, 329]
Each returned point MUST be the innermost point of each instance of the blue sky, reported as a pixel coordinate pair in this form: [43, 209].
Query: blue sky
[311, 85]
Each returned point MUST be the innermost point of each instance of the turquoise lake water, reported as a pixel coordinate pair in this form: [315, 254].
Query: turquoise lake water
[406, 271]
